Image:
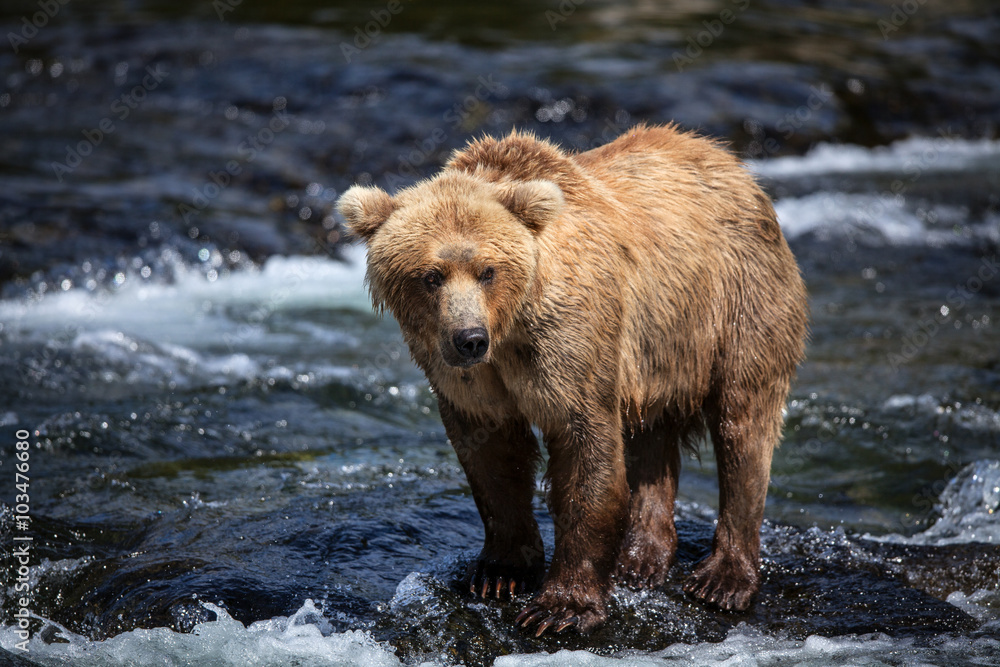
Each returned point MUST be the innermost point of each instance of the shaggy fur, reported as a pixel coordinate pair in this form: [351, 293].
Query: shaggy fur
[631, 298]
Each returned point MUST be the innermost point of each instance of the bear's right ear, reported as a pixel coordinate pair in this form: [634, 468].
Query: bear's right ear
[535, 203]
[365, 209]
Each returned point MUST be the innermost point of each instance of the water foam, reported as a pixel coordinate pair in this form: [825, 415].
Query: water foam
[165, 311]
[193, 329]
[884, 217]
[304, 639]
[879, 219]
[748, 647]
[308, 638]
[969, 509]
[908, 157]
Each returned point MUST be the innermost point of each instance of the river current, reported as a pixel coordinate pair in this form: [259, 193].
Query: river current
[231, 459]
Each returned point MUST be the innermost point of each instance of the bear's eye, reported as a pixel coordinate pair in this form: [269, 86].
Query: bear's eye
[486, 277]
[432, 280]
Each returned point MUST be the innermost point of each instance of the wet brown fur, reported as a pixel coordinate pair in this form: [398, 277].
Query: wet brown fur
[646, 298]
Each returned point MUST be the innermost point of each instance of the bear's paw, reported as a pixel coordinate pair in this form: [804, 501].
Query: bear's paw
[724, 580]
[561, 608]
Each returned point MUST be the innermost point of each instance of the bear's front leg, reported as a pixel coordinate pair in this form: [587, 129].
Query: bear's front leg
[588, 501]
[500, 459]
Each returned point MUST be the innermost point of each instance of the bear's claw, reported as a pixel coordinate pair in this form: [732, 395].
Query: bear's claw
[510, 586]
[492, 579]
[572, 620]
[533, 613]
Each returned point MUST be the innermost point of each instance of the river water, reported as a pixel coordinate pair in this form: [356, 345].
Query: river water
[231, 459]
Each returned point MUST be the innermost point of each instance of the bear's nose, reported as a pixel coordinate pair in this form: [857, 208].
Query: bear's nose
[472, 343]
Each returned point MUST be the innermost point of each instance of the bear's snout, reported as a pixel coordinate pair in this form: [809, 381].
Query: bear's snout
[472, 344]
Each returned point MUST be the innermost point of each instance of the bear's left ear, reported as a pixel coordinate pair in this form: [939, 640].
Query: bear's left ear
[535, 203]
[365, 209]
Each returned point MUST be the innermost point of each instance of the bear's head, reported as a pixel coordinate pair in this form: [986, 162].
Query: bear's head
[452, 258]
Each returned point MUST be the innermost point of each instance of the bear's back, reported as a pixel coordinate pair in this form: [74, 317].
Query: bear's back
[644, 164]
[694, 176]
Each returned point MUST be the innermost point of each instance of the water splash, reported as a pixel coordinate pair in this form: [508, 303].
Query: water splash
[305, 639]
[969, 509]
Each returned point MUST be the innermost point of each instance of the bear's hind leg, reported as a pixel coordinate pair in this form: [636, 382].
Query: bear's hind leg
[745, 427]
[650, 544]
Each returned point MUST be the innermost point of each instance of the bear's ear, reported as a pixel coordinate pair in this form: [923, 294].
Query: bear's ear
[535, 203]
[365, 209]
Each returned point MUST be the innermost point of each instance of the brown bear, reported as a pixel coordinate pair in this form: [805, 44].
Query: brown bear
[623, 300]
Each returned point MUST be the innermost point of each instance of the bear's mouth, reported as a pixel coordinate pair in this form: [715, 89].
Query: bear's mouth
[463, 363]
[453, 359]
